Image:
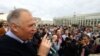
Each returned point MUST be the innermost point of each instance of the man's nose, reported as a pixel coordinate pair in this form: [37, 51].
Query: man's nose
[34, 28]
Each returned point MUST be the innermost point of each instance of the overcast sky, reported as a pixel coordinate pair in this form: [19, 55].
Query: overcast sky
[48, 9]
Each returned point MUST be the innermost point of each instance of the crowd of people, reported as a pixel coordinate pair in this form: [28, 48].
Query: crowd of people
[71, 41]
[21, 37]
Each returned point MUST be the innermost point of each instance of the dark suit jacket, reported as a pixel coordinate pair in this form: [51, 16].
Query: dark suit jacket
[87, 50]
[11, 47]
[69, 48]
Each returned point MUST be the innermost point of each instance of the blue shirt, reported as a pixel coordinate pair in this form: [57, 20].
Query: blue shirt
[12, 35]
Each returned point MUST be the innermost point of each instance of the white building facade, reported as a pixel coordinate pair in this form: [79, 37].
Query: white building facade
[84, 20]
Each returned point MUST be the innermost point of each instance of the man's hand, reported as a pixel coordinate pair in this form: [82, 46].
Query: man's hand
[44, 46]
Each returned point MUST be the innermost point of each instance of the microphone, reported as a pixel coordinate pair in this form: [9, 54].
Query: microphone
[52, 50]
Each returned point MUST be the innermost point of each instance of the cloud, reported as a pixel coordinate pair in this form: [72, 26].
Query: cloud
[47, 9]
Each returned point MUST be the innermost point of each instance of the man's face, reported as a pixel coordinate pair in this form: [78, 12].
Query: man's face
[86, 40]
[59, 32]
[27, 26]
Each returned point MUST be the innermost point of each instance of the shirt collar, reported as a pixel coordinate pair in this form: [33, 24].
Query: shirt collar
[12, 35]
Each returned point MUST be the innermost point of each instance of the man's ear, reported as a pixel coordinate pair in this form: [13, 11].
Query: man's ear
[14, 27]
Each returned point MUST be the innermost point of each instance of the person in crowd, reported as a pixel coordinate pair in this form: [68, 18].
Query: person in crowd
[66, 34]
[16, 41]
[5, 26]
[55, 47]
[2, 30]
[84, 46]
[69, 46]
[97, 45]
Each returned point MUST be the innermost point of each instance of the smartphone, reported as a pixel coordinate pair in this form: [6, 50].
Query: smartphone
[49, 34]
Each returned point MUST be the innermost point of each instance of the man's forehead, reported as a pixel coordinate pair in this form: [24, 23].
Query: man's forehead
[35, 19]
[25, 13]
[25, 16]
